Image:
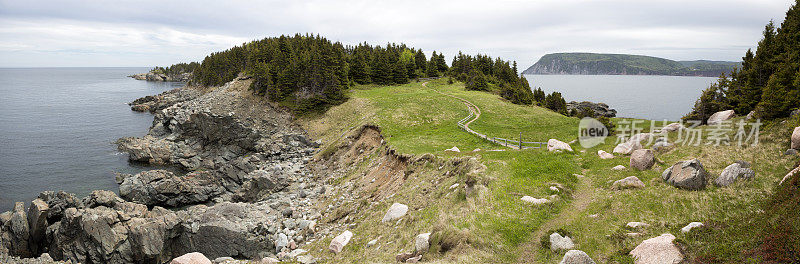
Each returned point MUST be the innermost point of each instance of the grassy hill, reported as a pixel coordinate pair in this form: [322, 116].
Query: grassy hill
[488, 223]
[624, 64]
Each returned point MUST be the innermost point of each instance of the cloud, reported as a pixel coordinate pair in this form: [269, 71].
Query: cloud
[147, 33]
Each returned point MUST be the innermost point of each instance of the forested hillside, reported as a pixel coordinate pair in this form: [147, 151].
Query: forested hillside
[309, 72]
[624, 64]
[769, 81]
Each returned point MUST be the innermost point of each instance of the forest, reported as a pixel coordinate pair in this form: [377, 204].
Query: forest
[309, 72]
[768, 83]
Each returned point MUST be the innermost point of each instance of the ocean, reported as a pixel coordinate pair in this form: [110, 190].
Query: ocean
[637, 96]
[58, 126]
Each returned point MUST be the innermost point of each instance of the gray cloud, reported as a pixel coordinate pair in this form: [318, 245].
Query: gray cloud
[147, 33]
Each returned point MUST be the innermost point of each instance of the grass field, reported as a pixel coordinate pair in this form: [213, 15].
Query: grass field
[494, 225]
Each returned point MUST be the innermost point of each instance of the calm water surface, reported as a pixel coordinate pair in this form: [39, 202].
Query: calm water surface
[57, 128]
[649, 97]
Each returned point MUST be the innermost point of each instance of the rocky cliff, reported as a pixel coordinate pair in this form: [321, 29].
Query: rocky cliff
[161, 77]
[238, 187]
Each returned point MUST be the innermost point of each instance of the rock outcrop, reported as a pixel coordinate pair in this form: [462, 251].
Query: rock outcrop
[796, 138]
[103, 228]
[597, 109]
[161, 77]
[688, 175]
[154, 103]
[239, 148]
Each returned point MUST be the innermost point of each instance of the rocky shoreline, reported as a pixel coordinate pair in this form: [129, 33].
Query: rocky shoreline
[160, 77]
[246, 192]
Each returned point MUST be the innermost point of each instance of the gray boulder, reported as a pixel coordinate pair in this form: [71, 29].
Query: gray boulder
[688, 175]
[576, 257]
[734, 172]
[164, 188]
[642, 159]
[796, 138]
[657, 250]
[558, 242]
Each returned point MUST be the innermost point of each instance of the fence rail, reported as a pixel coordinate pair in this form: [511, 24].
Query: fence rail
[474, 113]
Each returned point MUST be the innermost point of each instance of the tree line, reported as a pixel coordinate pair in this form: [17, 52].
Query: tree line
[484, 73]
[769, 81]
[175, 69]
[309, 72]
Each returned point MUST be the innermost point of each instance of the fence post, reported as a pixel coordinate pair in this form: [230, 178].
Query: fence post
[520, 140]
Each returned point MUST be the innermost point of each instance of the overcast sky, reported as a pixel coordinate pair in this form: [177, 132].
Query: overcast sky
[149, 33]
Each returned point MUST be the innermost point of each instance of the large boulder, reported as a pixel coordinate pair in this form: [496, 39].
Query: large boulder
[164, 188]
[229, 229]
[556, 145]
[576, 257]
[796, 138]
[396, 211]
[720, 116]
[631, 182]
[627, 147]
[688, 175]
[734, 172]
[657, 250]
[642, 159]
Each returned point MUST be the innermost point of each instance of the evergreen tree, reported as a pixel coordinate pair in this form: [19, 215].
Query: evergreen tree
[556, 102]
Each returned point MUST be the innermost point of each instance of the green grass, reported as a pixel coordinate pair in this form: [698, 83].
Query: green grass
[417, 120]
[497, 226]
[668, 209]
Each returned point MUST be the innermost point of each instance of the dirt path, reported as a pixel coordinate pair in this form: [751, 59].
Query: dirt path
[475, 111]
[582, 197]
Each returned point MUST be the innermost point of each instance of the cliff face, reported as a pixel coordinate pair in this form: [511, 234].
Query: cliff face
[238, 187]
[621, 64]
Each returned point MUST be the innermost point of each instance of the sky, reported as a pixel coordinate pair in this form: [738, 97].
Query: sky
[94, 33]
